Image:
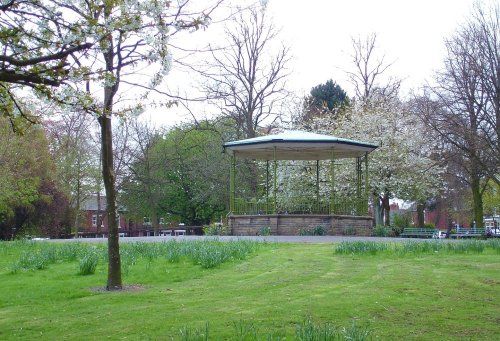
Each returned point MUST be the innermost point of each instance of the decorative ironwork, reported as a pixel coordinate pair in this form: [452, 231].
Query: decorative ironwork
[299, 205]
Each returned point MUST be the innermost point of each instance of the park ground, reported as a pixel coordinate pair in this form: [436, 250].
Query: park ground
[428, 293]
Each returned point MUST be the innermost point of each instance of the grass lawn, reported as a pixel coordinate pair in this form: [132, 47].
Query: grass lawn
[437, 295]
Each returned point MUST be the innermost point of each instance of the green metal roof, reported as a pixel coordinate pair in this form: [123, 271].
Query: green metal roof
[298, 145]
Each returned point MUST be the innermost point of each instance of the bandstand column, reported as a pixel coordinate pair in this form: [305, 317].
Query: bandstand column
[358, 185]
[232, 188]
[275, 189]
[267, 186]
[317, 186]
[332, 180]
[366, 182]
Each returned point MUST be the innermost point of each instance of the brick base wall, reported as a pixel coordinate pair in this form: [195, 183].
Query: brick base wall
[289, 225]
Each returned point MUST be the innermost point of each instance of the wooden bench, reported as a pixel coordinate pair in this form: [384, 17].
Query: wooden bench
[419, 232]
[469, 233]
[179, 232]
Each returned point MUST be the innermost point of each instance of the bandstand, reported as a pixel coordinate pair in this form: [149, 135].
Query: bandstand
[336, 213]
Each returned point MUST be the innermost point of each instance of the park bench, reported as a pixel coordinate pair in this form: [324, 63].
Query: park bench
[469, 233]
[180, 232]
[419, 232]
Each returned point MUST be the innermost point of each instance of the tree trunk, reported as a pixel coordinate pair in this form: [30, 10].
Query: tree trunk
[77, 216]
[154, 218]
[477, 201]
[420, 214]
[387, 209]
[108, 175]
[377, 211]
[450, 225]
[99, 215]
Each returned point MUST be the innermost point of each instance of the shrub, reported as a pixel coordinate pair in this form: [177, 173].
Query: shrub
[315, 231]
[216, 229]
[381, 231]
[395, 231]
[401, 220]
[349, 231]
[319, 231]
[304, 232]
[265, 231]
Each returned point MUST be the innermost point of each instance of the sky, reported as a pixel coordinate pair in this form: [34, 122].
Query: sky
[410, 34]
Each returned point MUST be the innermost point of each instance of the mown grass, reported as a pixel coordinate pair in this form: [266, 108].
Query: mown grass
[272, 292]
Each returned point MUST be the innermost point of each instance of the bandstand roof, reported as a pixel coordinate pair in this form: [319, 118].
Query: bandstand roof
[298, 145]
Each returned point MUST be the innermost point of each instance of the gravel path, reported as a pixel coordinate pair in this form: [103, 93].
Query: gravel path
[276, 239]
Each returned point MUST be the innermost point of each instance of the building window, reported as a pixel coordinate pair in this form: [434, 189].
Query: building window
[94, 220]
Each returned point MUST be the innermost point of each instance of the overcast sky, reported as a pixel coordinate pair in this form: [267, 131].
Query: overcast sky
[410, 33]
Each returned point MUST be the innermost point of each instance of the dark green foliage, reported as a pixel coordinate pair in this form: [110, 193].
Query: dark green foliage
[319, 231]
[326, 100]
[265, 231]
[349, 231]
[315, 231]
[182, 177]
[400, 222]
[381, 231]
[329, 94]
[30, 201]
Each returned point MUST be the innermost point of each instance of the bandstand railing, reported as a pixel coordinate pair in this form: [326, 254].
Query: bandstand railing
[302, 205]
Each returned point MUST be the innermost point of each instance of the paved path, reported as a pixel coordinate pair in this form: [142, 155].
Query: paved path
[276, 239]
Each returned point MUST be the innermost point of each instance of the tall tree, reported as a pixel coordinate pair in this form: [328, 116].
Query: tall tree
[324, 99]
[369, 68]
[142, 186]
[484, 28]
[179, 174]
[403, 165]
[373, 94]
[246, 79]
[28, 193]
[329, 95]
[70, 136]
[123, 37]
[463, 106]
